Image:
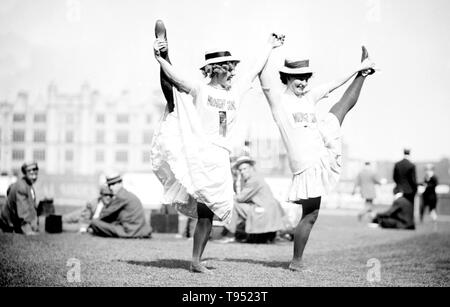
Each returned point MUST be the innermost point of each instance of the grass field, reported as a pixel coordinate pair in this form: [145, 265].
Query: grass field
[337, 255]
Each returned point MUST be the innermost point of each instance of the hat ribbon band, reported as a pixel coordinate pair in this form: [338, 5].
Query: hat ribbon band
[217, 55]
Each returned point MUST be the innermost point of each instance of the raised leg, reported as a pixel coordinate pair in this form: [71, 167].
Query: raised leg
[166, 85]
[351, 95]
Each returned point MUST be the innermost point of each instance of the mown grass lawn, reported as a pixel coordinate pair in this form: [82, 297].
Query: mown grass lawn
[339, 254]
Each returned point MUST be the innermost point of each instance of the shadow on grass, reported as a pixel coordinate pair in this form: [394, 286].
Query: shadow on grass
[270, 264]
[161, 263]
[165, 263]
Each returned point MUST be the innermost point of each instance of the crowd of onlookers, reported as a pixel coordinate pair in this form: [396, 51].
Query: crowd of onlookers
[116, 212]
[258, 216]
[401, 214]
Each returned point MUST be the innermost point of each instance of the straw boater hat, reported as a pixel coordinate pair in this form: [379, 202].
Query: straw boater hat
[243, 159]
[296, 67]
[113, 179]
[218, 56]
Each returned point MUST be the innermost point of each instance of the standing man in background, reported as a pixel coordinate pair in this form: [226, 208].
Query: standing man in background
[405, 176]
[366, 181]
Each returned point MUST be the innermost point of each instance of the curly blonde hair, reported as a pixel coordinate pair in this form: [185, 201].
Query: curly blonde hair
[212, 70]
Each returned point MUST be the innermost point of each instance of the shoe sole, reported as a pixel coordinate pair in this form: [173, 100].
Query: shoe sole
[370, 71]
[161, 32]
[160, 29]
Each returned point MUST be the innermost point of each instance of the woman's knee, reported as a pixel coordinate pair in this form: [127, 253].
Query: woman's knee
[313, 216]
[204, 212]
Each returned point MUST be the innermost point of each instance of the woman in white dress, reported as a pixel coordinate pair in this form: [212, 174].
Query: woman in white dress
[191, 149]
[313, 143]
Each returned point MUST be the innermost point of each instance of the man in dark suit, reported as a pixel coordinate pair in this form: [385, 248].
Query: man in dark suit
[19, 214]
[405, 177]
[123, 217]
[399, 216]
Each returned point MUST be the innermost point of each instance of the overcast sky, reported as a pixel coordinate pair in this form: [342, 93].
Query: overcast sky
[108, 43]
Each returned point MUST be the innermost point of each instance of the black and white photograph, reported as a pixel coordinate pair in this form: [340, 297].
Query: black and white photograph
[224, 148]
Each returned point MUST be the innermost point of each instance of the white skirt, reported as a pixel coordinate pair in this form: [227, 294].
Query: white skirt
[319, 179]
[191, 168]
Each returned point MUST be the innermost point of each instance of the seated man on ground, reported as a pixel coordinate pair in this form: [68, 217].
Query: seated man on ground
[255, 206]
[19, 214]
[123, 217]
[81, 218]
[399, 216]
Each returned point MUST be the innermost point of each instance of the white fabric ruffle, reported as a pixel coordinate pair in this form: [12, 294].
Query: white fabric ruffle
[189, 166]
[319, 179]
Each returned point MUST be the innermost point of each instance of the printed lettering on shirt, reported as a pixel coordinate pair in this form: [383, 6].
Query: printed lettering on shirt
[304, 118]
[221, 103]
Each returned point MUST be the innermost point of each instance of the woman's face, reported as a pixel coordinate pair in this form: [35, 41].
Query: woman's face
[297, 84]
[224, 77]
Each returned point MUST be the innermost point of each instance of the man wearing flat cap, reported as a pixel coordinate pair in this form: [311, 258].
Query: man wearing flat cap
[124, 216]
[19, 213]
[82, 217]
[255, 203]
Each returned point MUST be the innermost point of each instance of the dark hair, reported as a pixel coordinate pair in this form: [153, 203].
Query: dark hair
[285, 77]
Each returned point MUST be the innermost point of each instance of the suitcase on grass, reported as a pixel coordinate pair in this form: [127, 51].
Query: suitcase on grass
[53, 223]
[164, 222]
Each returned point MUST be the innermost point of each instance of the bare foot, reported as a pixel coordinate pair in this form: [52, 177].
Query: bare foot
[298, 266]
[198, 268]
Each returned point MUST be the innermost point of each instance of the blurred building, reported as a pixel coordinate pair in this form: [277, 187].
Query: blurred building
[83, 133]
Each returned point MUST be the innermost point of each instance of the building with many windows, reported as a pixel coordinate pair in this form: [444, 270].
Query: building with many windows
[82, 133]
[87, 134]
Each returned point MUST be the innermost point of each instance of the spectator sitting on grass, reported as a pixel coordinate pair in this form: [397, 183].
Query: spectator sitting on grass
[91, 211]
[123, 217]
[19, 214]
[399, 216]
[255, 206]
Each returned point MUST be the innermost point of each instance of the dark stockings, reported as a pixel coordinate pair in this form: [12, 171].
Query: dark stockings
[310, 213]
[349, 99]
